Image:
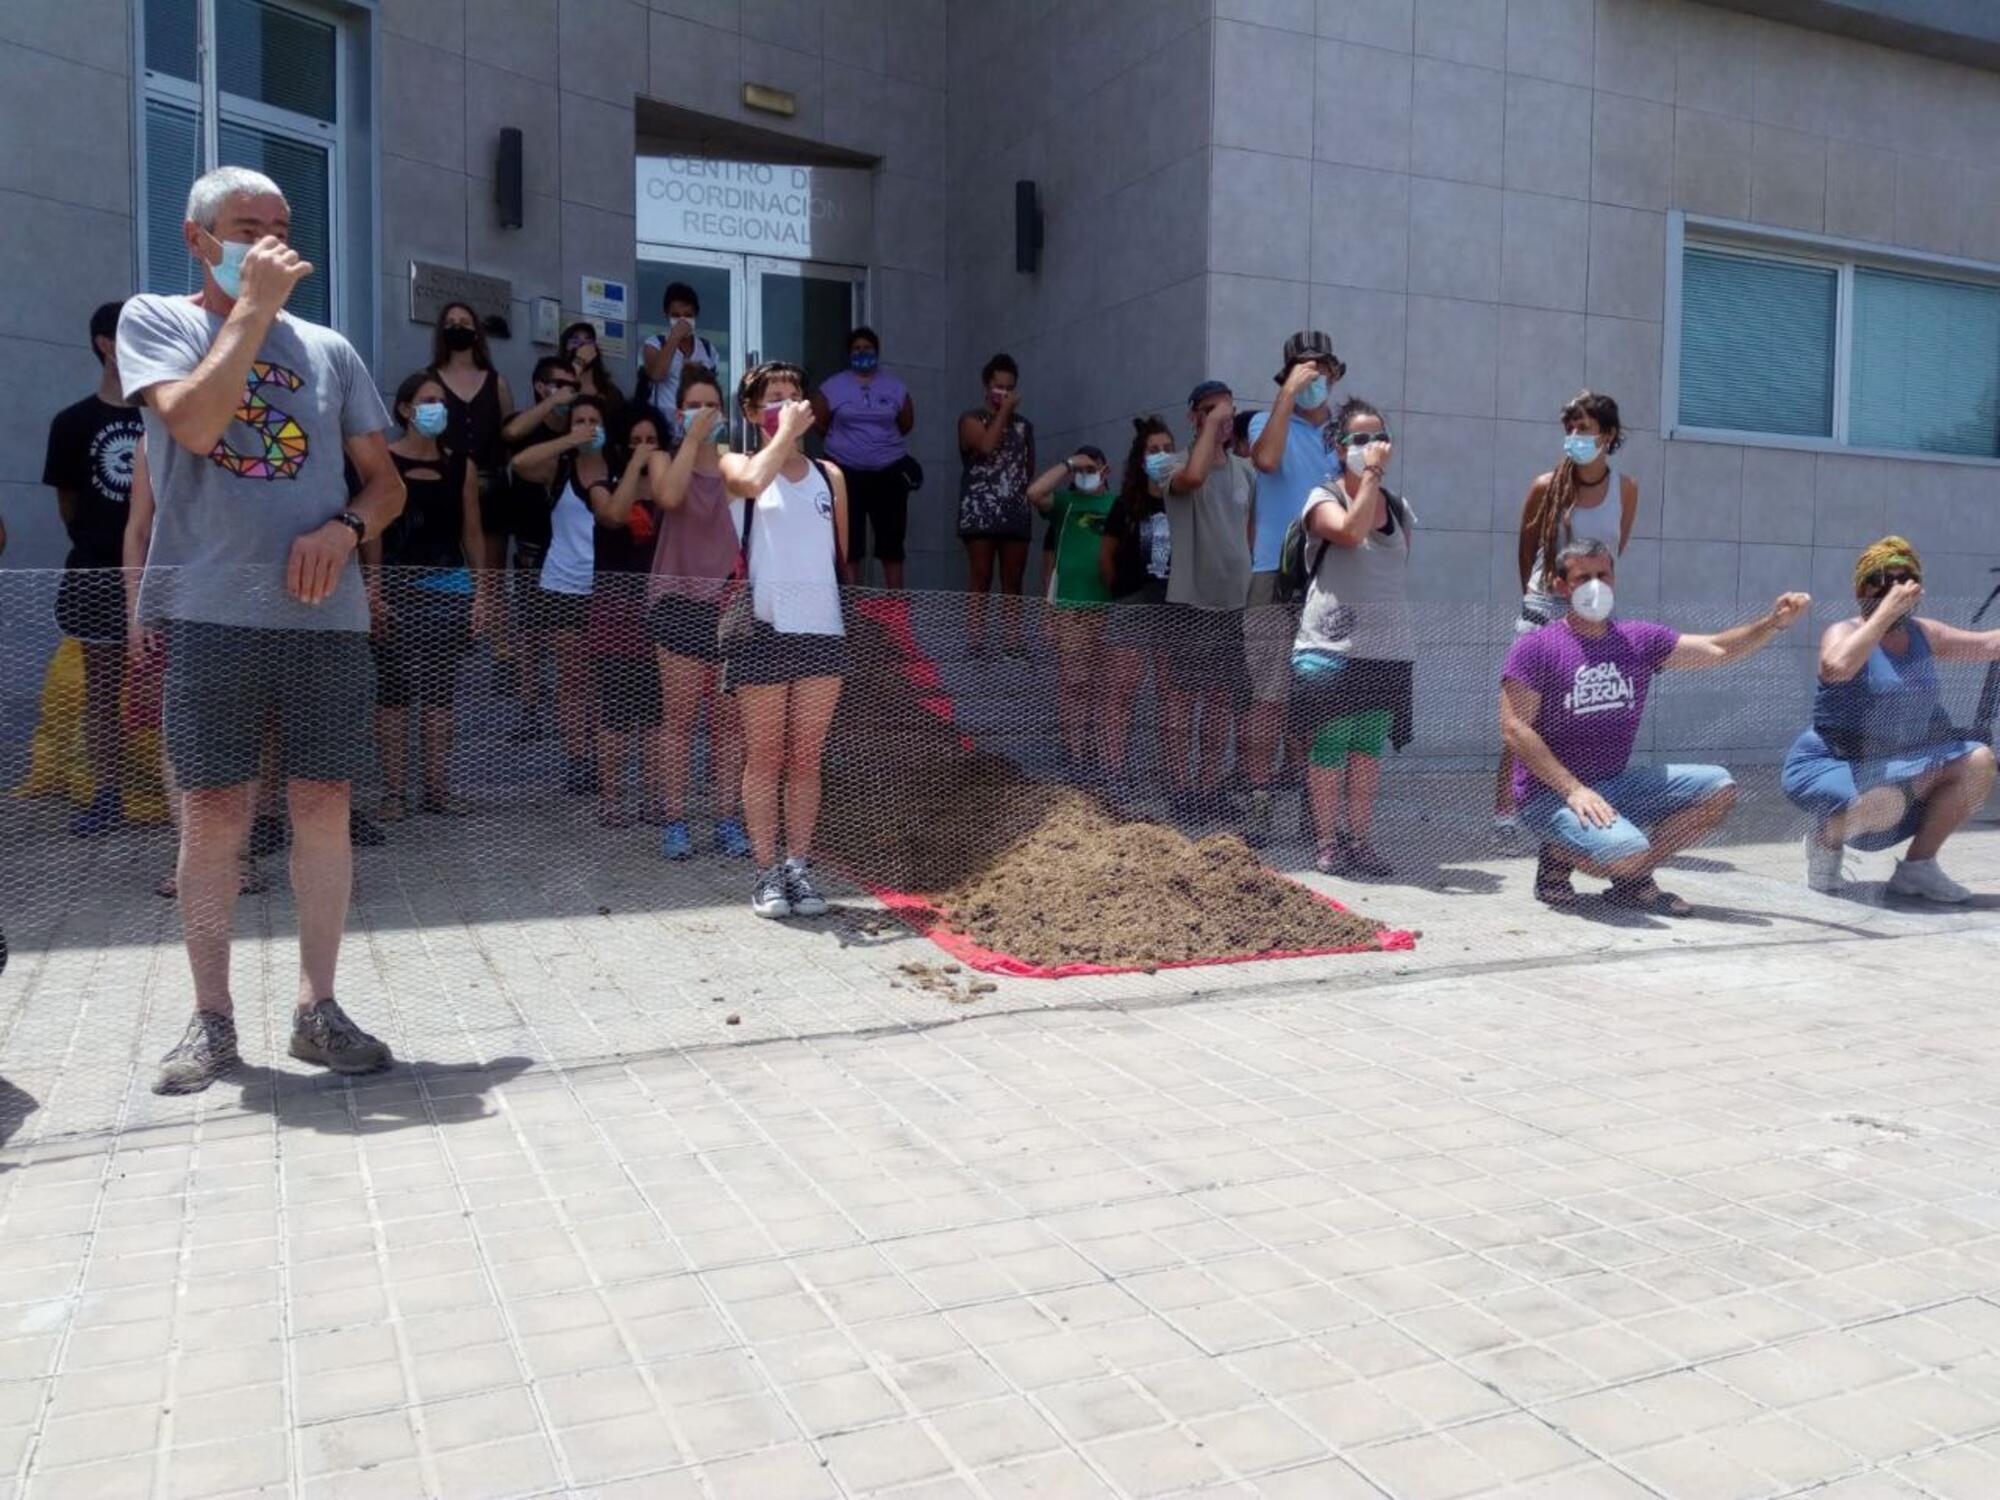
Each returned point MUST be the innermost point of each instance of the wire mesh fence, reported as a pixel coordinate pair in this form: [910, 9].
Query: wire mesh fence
[563, 808]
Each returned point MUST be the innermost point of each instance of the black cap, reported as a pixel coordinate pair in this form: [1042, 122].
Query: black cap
[1309, 344]
[1203, 391]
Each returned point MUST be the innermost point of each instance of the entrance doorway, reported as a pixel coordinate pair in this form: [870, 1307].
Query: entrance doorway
[755, 307]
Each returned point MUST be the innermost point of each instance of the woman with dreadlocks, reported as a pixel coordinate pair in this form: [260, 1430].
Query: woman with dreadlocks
[1583, 496]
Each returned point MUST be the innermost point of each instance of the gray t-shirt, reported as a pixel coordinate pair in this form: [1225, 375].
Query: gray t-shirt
[1358, 600]
[225, 522]
[1211, 531]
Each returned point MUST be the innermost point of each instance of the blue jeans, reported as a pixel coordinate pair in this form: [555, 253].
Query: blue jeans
[1642, 796]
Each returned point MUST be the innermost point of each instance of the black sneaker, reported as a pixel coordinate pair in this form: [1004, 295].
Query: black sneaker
[769, 899]
[323, 1034]
[800, 891]
[362, 833]
[580, 778]
[206, 1050]
[1362, 859]
[268, 834]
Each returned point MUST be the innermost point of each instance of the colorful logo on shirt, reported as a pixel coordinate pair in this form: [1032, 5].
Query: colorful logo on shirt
[284, 449]
[1601, 689]
[114, 450]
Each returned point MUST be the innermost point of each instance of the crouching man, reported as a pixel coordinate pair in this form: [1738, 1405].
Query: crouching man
[1571, 697]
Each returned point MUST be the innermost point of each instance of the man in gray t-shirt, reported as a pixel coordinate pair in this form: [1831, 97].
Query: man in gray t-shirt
[1202, 677]
[249, 414]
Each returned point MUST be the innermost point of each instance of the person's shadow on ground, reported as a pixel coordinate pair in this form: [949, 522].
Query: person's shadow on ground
[16, 1104]
[402, 1097]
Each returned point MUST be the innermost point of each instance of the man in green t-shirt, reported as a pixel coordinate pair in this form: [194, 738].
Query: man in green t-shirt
[1076, 495]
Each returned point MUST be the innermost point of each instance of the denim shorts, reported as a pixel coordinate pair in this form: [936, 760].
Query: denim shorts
[1642, 796]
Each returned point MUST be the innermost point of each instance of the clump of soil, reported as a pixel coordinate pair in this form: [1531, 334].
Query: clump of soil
[1043, 873]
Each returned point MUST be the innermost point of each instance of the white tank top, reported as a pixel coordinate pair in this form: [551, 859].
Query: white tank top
[794, 588]
[1601, 522]
[570, 564]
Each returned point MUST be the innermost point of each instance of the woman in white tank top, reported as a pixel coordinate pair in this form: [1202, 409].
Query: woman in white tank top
[791, 514]
[1582, 497]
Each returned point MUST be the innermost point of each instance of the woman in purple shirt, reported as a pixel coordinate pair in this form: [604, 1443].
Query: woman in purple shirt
[866, 414]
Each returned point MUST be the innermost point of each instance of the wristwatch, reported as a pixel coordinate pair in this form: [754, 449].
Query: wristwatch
[354, 524]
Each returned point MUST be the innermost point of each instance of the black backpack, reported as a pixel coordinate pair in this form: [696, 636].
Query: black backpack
[1296, 569]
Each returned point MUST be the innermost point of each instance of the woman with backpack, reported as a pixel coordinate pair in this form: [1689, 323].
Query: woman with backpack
[1354, 655]
[1134, 560]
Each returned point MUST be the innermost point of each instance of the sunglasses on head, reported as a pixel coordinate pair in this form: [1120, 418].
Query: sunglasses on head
[1360, 439]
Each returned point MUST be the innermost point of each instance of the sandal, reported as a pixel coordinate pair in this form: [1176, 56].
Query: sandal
[1553, 886]
[1644, 895]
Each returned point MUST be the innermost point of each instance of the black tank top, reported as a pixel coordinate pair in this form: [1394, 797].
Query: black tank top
[474, 426]
[430, 533]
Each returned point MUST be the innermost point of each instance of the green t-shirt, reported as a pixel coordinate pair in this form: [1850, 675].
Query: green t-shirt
[1076, 521]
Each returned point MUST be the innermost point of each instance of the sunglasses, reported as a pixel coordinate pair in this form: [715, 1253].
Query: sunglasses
[1883, 582]
[1360, 439]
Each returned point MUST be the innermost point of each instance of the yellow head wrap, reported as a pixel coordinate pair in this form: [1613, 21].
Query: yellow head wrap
[1890, 552]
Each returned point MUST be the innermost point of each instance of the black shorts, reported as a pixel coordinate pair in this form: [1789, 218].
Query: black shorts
[769, 658]
[418, 654]
[877, 500]
[547, 610]
[1201, 652]
[226, 684]
[1363, 685]
[685, 627]
[90, 605]
[628, 693]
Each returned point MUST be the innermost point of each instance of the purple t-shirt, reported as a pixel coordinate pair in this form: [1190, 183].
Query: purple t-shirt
[1593, 692]
[863, 433]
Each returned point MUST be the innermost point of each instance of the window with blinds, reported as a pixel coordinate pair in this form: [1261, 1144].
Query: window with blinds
[1850, 353]
[278, 76]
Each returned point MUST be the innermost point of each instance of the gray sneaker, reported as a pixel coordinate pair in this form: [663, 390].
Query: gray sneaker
[325, 1035]
[206, 1050]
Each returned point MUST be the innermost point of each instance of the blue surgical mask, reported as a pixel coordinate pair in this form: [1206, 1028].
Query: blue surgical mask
[716, 434]
[1580, 447]
[595, 441]
[428, 417]
[229, 274]
[863, 362]
[1088, 484]
[1160, 466]
[1313, 395]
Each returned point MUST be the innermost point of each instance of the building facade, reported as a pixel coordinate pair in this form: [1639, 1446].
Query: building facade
[1771, 228]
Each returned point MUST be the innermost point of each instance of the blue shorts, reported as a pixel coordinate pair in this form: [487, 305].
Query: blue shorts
[1826, 785]
[1641, 796]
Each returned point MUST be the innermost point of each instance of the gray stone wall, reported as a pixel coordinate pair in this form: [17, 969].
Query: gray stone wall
[1471, 196]
[66, 237]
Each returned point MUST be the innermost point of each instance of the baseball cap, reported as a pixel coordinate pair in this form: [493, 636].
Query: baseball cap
[1309, 343]
[1203, 391]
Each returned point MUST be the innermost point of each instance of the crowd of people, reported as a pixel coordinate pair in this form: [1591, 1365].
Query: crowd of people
[312, 614]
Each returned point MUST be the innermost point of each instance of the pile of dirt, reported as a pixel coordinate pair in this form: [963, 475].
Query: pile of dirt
[1086, 888]
[1043, 873]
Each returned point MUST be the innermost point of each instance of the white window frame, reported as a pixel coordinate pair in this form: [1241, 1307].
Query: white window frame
[304, 129]
[1795, 247]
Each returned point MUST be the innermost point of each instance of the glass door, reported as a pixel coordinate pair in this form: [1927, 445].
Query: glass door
[717, 279]
[802, 311]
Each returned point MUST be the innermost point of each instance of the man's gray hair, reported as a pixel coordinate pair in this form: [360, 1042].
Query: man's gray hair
[1583, 546]
[213, 190]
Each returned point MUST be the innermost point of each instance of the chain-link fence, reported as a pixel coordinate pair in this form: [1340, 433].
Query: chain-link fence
[564, 805]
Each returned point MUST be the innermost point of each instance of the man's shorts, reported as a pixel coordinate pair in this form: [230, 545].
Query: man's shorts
[90, 605]
[227, 684]
[628, 693]
[1200, 652]
[1268, 628]
[1642, 796]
